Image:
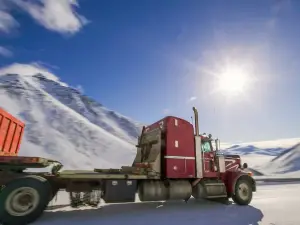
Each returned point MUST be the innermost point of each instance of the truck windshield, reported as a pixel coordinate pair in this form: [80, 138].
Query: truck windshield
[205, 146]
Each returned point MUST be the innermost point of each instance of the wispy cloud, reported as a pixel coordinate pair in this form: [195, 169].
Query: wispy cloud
[55, 15]
[277, 9]
[46, 65]
[7, 22]
[191, 99]
[5, 52]
[280, 6]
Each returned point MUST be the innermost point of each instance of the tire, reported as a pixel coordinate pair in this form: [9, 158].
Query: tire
[242, 192]
[32, 190]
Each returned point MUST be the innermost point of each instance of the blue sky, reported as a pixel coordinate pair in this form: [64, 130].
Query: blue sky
[146, 59]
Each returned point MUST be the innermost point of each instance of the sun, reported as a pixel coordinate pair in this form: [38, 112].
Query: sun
[232, 80]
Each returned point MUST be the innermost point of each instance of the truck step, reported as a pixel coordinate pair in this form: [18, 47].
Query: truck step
[216, 196]
[214, 184]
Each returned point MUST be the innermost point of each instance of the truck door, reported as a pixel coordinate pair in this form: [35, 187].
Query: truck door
[209, 164]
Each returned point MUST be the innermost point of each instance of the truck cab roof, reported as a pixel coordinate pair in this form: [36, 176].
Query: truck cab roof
[176, 120]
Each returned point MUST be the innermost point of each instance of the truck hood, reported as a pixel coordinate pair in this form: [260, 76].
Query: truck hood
[232, 162]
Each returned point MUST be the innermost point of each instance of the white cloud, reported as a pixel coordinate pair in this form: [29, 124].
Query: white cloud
[193, 98]
[55, 15]
[5, 52]
[7, 22]
[29, 70]
[46, 65]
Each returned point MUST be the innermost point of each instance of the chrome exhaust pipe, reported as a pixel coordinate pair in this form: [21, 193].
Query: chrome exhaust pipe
[196, 121]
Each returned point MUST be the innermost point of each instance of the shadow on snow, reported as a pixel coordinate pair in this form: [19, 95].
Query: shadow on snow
[150, 213]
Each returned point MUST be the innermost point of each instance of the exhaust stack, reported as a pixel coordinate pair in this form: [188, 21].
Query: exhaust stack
[196, 121]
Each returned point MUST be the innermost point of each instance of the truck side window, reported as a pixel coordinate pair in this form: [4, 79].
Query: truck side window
[205, 146]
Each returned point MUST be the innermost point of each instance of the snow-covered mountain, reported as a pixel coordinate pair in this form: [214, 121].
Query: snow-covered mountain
[286, 162]
[280, 156]
[63, 124]
[251, 149]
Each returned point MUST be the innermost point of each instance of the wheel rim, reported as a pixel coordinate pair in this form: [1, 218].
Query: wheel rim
[22, 201]
[244, 191]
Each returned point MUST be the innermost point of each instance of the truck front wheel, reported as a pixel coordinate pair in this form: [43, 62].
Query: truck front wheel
[242, 192]
[22, 201]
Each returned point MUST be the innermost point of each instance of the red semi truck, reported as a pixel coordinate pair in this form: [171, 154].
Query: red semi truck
[173, 162]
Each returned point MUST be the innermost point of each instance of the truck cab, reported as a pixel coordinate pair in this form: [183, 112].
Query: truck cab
[171, 149]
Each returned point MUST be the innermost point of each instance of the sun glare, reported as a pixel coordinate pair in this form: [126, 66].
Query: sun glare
[232, 80]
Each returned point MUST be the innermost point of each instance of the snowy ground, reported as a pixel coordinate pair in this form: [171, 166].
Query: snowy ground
[271, 205]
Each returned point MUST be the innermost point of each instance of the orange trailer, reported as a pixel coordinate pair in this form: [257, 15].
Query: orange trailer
[11, 132]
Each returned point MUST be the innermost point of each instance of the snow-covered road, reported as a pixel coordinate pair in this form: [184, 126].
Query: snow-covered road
[272, 205]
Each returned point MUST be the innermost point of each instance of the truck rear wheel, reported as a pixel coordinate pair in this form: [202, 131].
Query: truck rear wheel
[242, 192]
[22, 201]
